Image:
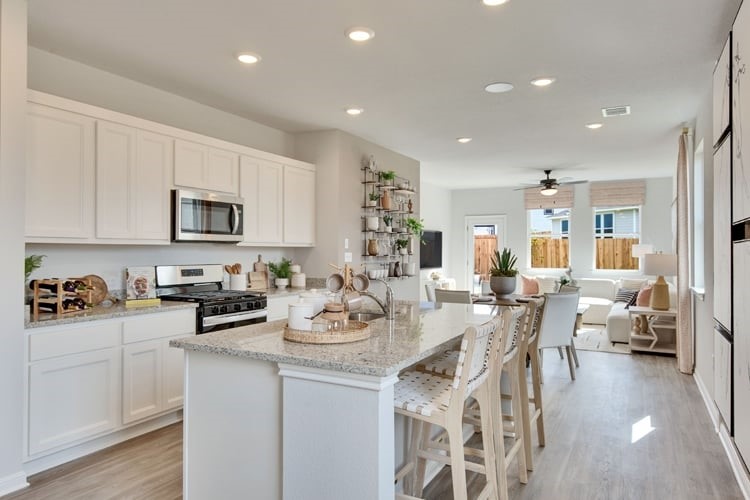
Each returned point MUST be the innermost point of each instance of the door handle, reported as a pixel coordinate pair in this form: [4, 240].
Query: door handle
[235, 219]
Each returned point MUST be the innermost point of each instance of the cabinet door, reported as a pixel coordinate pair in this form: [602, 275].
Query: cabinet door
[741, 332]
[723, 378]
[153, 170]
[72, 398]
[173, 389]
[190, 161]
[141, 380]
[59, 174]
[721, 86]
[299, 206]
[261, 191]
[278, 307]
[115, 164]
[222, 173]
[741, 114]
[722, 236]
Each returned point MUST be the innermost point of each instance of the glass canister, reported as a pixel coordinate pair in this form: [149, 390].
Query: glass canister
[335, 314]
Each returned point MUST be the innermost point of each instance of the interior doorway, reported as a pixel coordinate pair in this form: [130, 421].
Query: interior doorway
[484, 234]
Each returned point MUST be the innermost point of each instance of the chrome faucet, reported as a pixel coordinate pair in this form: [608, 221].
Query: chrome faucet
[388, 306]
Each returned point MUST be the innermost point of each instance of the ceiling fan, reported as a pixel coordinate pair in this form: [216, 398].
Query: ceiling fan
[549, 184]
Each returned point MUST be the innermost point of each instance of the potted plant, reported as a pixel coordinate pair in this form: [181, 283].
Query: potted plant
[31, 263]
[416, 228]
[373, 199]
[282, 271]
[503, 272]
[401, 245]
[387, 219]
[387, 176]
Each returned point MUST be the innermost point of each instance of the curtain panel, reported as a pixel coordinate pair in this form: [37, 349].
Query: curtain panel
[617, 193]
[685, 354]
[564, 198]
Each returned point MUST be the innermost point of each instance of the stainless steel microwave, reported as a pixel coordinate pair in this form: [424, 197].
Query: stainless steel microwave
[204, 216]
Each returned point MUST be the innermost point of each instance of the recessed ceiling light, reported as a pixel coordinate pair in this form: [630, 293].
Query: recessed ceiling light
[593, 125]
[464, 140]
[360, 34]
[499, 87]
[248, 58]
[543, 81]
[354, 111]
[493, 3]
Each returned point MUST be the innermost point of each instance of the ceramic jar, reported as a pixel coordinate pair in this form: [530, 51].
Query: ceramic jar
[372, 247]
[373, 223]
[385, 200]
[299, 312]
[316, 298]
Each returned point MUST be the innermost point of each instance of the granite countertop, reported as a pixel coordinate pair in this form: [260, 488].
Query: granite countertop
[99, 312]
[418, 331]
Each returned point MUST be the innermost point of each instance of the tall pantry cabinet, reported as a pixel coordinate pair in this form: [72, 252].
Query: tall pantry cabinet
[732, 230]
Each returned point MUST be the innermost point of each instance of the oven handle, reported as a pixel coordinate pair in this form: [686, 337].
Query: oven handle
[220, 320]
[236, 219]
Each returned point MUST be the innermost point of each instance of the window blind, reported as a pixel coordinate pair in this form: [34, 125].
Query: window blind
[617, 193]
[564, 198]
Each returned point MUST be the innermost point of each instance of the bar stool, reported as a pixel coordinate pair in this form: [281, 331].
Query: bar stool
[432, 399]
[514, 321]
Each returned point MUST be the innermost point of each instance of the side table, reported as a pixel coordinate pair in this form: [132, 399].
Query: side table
[659, 332]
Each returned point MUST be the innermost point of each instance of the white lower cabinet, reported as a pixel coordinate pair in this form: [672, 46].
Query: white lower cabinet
[278, 307]
[90, 379]
[72, 398]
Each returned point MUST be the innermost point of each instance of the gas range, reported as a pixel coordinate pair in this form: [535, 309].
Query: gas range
[218, 309]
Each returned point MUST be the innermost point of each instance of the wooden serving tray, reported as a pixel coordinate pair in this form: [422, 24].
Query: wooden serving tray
[356, 330]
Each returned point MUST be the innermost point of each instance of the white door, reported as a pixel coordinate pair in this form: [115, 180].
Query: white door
[173, 387]
[190, 160]
[722, 236]
[141, 380]
[59, 174]
[482, 233]
[222, 173]
[741, 332]
[115, 164]
[299, 206]
[72, 398]
[261, 183]
[741, 115]
[153, 171]
[721, 86]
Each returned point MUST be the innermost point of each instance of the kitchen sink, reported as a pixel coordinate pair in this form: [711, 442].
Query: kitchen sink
[365, 316]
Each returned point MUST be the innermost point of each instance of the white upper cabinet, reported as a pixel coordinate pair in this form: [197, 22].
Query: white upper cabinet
[132, 189]
[260, 189]
[299, 206]
[721, 87]
[59, 174]
[205, 168]
[279, 203]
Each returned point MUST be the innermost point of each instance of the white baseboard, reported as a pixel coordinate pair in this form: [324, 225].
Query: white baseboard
[14, 482]
[738, 468]
[713, 411]
[39, 464]
[740, 473]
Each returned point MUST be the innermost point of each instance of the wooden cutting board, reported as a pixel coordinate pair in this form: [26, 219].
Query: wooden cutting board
[258, 281]
[100, 288]
[260, 266]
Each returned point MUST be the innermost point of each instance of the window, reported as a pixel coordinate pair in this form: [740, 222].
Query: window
[549, 246]
[616, 230]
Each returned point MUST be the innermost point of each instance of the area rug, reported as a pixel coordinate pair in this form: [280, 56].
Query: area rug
[594, 338]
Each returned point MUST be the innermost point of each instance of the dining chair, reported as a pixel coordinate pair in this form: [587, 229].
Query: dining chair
[430, 290]
[558, 321]
[454, 296]
[571, 289]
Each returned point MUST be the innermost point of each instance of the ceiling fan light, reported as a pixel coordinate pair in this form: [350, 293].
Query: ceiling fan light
[548, 191]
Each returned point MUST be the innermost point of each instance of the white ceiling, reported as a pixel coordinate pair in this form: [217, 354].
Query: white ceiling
[421, 79]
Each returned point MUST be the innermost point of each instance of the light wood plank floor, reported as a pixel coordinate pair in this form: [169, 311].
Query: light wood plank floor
[589, 429]
[589, 454]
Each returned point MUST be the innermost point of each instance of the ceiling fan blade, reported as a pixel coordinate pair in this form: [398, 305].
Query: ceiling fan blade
[568, 183]
[535, 186]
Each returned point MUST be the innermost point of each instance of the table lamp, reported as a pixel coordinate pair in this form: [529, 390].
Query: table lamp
[641, 249]
[660, 265]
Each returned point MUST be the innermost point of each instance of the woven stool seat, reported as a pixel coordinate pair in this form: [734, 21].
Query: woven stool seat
[422, 393]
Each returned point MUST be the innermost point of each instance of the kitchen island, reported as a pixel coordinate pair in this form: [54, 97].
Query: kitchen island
[267, 418]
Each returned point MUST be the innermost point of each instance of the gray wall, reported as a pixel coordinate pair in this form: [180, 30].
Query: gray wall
[703, 309]
[12, 161]
[435, 203]
[656, 225]
[338, 157]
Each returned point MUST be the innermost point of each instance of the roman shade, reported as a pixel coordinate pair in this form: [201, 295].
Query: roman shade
[618, 193]
[562, 199]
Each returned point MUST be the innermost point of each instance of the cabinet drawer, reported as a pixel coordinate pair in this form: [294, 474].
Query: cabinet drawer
[73, 340]
[159, 325]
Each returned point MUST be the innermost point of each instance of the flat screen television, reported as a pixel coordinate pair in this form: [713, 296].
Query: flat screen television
[431, 252]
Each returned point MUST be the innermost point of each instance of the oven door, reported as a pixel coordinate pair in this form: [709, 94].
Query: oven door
[200, 216]
[226, 321]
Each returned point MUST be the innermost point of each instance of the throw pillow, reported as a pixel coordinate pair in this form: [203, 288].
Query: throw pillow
[633, 284]
[644, 297]
[529, 286]
[547, 284]
[625, 295]
[632, 301]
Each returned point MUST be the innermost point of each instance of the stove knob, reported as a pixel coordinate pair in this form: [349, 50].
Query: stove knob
[238, 307]
[223, 309]
[214, 310]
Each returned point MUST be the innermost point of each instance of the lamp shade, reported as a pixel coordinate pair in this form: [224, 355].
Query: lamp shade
[638, 251]
[660, 264]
